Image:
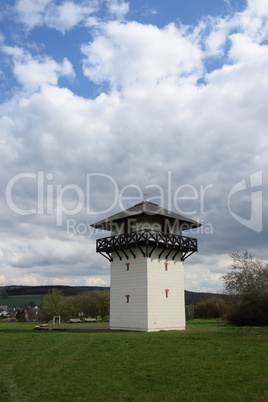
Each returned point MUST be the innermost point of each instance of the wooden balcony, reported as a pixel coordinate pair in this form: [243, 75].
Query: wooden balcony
[126, 245]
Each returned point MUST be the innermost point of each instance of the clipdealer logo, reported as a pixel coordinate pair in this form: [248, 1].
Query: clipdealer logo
[255, 187]
[70, 199]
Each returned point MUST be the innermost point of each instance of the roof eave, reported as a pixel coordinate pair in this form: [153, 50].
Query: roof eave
[107, 224]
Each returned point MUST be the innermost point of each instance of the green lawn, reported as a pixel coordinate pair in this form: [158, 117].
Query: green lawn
[21, 300]
[210, 361]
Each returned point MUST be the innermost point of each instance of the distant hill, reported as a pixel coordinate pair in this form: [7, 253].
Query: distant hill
[196, 297]
[43, 290]
[190, 297]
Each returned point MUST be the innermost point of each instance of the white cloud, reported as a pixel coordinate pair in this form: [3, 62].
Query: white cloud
[29, 280]
[29, 260]
[117, 8]
[35, 72]
[245, 50]
[134, 54]
[204, 274]
[219, 30]
[66, 16]
[258, 7]
[62, 17]
[95, 282]
[31, 11]
[2, 280]
[154, 119]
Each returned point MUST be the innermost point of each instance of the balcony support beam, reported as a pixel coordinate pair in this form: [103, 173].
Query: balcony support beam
[146, 241]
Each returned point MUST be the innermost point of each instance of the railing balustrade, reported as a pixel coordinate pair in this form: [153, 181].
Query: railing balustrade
[128, 241]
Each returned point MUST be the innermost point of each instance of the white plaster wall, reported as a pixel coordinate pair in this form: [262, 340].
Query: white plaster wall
[132, 315]
[145, 281]
[165, 313]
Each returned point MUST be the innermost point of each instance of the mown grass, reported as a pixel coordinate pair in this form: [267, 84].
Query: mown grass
[210, 361]
[20, 300]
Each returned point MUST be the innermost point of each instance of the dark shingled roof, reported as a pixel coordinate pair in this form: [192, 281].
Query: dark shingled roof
[145, 208]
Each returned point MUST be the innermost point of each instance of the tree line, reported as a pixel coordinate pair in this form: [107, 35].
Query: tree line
[245, 299]
[244, 302]
[91, 304]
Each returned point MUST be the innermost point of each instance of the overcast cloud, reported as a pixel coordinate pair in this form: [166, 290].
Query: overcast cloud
[100, 101]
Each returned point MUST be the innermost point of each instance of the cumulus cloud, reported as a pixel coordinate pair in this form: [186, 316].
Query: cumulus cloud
[62, 17]
[128, 54]
[35, 72]
[244, 49]
[254, 20]
[215, 33]
[117, 8]
[31, 12]
[215, 41]
[66, 15]
[163, 120]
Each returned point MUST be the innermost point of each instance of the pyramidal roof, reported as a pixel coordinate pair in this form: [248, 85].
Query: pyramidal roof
[146, 208]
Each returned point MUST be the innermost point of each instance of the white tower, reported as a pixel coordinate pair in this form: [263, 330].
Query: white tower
[146, 250]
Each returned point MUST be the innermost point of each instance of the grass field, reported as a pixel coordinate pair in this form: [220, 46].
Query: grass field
[210, 361]
[21, 300]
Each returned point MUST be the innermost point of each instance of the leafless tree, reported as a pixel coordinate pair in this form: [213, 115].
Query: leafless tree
[246, 276]
[247, 280]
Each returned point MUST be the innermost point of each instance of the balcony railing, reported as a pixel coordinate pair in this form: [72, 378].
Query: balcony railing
[147, 241]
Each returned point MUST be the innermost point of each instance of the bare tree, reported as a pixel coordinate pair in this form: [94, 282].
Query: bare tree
[247, 280]
[246, 276]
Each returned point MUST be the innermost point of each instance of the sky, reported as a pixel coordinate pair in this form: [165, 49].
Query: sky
[104, 103]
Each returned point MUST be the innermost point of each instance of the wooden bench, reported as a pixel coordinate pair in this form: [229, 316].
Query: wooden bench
[41, 327]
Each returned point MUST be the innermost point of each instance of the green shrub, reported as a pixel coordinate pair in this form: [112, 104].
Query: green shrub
[20, 315]
[247, 281]
[214, 307]
[251, 310]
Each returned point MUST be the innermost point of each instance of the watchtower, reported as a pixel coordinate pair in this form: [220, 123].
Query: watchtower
[147, 250]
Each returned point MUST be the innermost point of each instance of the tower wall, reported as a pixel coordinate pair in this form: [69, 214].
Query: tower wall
[147, 282]
[132, 282]
[166, 305]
